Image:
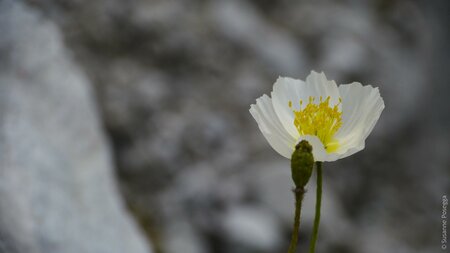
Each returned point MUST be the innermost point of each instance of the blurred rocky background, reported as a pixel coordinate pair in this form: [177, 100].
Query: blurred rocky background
[124, 125]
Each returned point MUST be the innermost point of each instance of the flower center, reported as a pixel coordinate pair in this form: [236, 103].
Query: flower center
[320, 120]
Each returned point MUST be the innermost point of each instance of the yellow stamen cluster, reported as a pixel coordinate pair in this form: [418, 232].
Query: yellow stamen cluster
[320, 120]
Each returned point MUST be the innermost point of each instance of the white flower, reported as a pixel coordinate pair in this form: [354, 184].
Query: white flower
[334, 120]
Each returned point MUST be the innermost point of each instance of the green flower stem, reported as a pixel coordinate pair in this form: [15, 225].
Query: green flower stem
[299, 193]
[312, 247]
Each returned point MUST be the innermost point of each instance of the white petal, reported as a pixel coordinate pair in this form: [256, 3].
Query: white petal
[321, 86]
[361, 109]
[319, 152]
[286, 90]
[271, 127]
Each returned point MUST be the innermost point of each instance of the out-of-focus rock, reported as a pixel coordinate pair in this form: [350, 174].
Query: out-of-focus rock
[182, 236]
[252, 227]
[175, 80]
[57, 188]
[243, 25]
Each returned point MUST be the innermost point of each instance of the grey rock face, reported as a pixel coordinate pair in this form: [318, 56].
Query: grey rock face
[174, 81]
[57, 188]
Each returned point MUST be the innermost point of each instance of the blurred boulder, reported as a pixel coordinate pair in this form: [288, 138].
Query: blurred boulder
[174, 81]
[57, 188]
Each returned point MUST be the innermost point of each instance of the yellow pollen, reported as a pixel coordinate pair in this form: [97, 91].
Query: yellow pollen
[320, 120]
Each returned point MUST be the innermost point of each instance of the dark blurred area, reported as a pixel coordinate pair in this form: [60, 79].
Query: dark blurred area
[124, 125]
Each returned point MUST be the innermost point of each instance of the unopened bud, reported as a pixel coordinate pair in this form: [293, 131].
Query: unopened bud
[302, 163]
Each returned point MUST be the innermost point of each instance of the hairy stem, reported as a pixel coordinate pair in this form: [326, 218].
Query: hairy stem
[299, 193]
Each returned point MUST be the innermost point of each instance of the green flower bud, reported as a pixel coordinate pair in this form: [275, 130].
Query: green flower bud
[302, 163]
